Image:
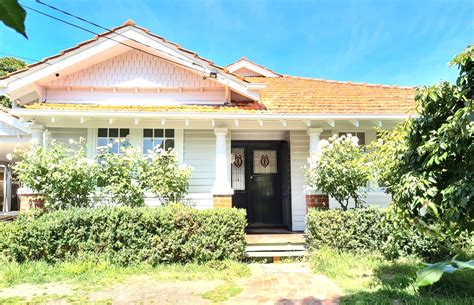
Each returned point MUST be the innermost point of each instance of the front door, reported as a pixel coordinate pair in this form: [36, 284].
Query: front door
[257, 182]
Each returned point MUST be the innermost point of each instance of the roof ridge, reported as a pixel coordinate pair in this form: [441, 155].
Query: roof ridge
[127, 23]
[348, 82]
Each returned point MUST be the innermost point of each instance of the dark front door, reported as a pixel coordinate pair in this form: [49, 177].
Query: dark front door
[257, 181]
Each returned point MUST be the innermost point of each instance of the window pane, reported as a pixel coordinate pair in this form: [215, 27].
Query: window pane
[158, 133]
[169, 133]
[113, 132]
[102, 132]
[124, 132]
[238, 168]
[264, 161]
[115, 147]
[102, 142]
[158, 143]
[148, 133]
[361, 137]
[169, 144]
[147, 145]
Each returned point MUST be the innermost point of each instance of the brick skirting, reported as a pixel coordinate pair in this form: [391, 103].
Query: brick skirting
[320, 201]
[222, 201]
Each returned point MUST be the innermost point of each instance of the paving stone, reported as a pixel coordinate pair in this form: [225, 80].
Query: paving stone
[292, 284]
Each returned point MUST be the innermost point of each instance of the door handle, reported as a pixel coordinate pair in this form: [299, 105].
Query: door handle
[251, 177]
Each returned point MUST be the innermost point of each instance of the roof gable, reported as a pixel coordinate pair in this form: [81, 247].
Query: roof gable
[247, 68]
[112, 44]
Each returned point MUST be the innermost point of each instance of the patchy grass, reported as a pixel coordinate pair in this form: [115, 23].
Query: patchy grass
[89, 274]
[222, 293]
[368, 278]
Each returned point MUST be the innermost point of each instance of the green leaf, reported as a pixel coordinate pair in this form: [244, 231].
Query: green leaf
[431, 274]
[13, 16]
[464, 265]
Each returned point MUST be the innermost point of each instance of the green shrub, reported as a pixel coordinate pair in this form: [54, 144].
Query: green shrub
[371, 229]
[123, 235]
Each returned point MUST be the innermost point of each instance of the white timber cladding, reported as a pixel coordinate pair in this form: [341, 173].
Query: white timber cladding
[299, 154]
[200, 153]
[64, 135]
[134, 78]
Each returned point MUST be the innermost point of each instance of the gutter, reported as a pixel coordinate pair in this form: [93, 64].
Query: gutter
[207, 115]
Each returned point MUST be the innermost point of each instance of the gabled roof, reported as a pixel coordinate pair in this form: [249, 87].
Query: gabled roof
[198, 63]
[128, 23]
[246, 64]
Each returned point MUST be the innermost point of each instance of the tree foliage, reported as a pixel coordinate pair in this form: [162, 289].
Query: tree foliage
[9, 65]
[431, 175]
[339, 170]
[13, 16]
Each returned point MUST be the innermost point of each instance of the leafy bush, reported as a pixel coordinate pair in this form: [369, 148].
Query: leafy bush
[339, 170]
[121, 179]
[69, 179]
[371, 229]
[124, 235]
[63, 174]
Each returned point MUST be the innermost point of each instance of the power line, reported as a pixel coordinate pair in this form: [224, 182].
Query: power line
[109, 38]
[107, 29]
[22, 57]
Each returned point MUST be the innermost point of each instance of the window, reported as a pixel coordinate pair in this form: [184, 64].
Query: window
[157, 138]
[115, 138]
[359, 135]
[238, 168]
[265, 162]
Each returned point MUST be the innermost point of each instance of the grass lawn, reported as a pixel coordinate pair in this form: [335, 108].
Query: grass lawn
[370, 279]
[75, 281]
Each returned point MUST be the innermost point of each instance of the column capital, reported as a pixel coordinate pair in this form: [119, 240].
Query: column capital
[314, 131]
[221, 131]
[36, 126]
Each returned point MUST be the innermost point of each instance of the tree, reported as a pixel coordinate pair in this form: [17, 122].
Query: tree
[9, 65]
[13, 16]
[430, 165]
[339, 170]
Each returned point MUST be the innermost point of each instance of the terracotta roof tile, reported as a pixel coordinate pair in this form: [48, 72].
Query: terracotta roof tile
[290, 94]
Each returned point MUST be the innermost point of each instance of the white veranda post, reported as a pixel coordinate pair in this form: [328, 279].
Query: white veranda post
[221, 182]
[314, 137]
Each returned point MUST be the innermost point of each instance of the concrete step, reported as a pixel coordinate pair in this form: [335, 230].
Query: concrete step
[276, 253]
[263, 247]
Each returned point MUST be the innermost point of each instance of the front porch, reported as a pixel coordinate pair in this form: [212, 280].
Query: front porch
[275, 245]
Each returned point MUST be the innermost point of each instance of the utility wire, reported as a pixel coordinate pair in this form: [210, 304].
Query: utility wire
[95, 33]
[107, 29]
[22, 57]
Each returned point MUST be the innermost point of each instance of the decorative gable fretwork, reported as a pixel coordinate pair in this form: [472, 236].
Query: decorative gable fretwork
[135, 69]
[135, 78]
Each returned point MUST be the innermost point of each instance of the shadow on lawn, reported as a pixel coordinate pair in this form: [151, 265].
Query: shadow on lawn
[396, 286]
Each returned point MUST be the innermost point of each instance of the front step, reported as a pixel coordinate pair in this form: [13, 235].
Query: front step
[275, 246]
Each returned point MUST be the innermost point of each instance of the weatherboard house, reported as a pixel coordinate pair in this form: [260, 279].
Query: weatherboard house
[246, 130]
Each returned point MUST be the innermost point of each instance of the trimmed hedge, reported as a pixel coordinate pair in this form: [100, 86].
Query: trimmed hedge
[371, 229]
[173, 234]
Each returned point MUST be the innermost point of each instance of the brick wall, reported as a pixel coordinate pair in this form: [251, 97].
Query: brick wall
[222, 201]
[320, 201]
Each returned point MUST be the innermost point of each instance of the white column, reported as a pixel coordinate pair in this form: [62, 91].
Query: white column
[314, 137]
[221, 182]
[314, 134]
[37, 131]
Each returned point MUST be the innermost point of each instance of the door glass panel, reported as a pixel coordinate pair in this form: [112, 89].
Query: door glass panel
[264, 162]
[238, 168]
